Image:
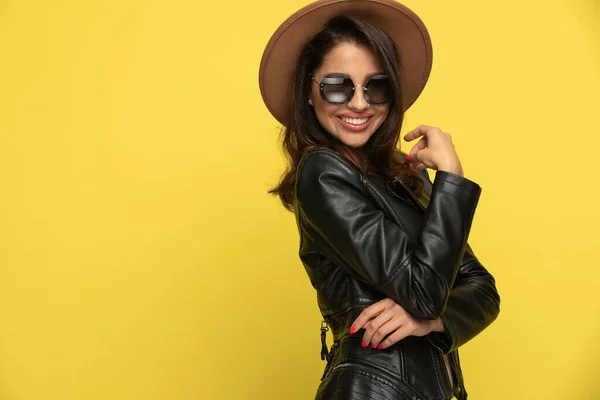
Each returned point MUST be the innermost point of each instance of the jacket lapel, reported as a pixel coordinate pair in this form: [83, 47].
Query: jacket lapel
[399, 190]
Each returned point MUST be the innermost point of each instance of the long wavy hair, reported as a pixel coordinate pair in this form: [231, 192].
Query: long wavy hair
[304, 134]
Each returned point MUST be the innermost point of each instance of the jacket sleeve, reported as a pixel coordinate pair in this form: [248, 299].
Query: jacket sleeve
[332, 199]
[473, 304]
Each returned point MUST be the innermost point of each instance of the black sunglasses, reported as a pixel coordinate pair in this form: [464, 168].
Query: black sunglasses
[339, 89]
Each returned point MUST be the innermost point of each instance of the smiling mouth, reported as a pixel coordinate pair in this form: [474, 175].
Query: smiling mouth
[356, 125]
[355, 121]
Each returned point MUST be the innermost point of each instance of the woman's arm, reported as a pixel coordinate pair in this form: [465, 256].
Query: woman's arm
[333, 200]
[473, 304]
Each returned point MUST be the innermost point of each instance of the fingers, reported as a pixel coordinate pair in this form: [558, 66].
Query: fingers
[417, 132]
[375, 326]
[423, 130]
[369, 313]
[385, 329]
[420, 145]
[401, 333]
[384, 319]
[414, 155]
[434, 150]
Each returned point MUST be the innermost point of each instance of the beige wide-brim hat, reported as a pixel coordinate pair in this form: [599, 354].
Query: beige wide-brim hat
[283, 50]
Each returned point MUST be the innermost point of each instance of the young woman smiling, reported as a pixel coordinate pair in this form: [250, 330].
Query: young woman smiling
[384, 247]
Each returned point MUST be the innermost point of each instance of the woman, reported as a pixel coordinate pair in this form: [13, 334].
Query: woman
[384, 247]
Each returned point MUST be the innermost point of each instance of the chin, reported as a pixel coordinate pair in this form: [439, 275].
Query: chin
[355, 142]
[355, 145]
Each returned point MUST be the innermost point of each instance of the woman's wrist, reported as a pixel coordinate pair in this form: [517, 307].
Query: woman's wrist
[436, 325]
[452, 167]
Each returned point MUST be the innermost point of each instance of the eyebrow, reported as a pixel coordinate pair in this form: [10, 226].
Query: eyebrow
[367, 77]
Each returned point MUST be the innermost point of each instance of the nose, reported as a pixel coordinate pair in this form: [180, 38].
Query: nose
[358, 102]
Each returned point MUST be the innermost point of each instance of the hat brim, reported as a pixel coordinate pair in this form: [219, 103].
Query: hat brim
[400, 23]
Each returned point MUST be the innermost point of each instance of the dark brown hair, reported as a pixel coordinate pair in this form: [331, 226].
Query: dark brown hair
[304, 133]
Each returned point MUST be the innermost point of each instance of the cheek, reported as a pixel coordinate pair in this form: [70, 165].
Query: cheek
[384, 111]
[383, 115]
[325, 111]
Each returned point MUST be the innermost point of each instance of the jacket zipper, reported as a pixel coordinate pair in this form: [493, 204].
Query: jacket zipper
[417, 204]
[327, 354]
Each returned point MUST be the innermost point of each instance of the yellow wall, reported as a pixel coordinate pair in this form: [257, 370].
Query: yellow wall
[141, 258]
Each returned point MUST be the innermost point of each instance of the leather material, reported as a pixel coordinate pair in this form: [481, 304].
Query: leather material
[363, 239]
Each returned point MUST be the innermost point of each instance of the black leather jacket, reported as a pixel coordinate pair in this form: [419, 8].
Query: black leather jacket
[363, 239]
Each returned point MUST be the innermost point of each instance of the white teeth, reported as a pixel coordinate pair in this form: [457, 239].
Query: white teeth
[355, 121]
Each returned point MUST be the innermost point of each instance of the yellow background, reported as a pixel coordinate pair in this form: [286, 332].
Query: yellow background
[141, 258]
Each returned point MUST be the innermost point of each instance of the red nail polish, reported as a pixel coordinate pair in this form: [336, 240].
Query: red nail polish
[379, 347]
[372, 346]
[363, 344]
[407, 158]
[352, 330]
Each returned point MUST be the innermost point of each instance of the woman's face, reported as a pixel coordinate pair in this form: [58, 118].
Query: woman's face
[355, 122]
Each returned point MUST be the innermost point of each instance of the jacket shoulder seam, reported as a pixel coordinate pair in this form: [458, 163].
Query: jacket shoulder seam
[333, 155]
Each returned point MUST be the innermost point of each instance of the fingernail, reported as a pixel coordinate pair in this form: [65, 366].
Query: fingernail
[363, 344]
[372, 346]
[379, 347]
[352, 330]
[407, 158]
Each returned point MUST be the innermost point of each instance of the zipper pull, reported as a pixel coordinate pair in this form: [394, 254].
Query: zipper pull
[324, 329]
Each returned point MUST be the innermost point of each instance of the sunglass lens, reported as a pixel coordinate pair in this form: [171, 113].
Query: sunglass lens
[379, 90]
[337, 89]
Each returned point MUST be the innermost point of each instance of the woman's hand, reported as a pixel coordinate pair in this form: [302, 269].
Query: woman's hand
[384, 317]
[435, 150]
